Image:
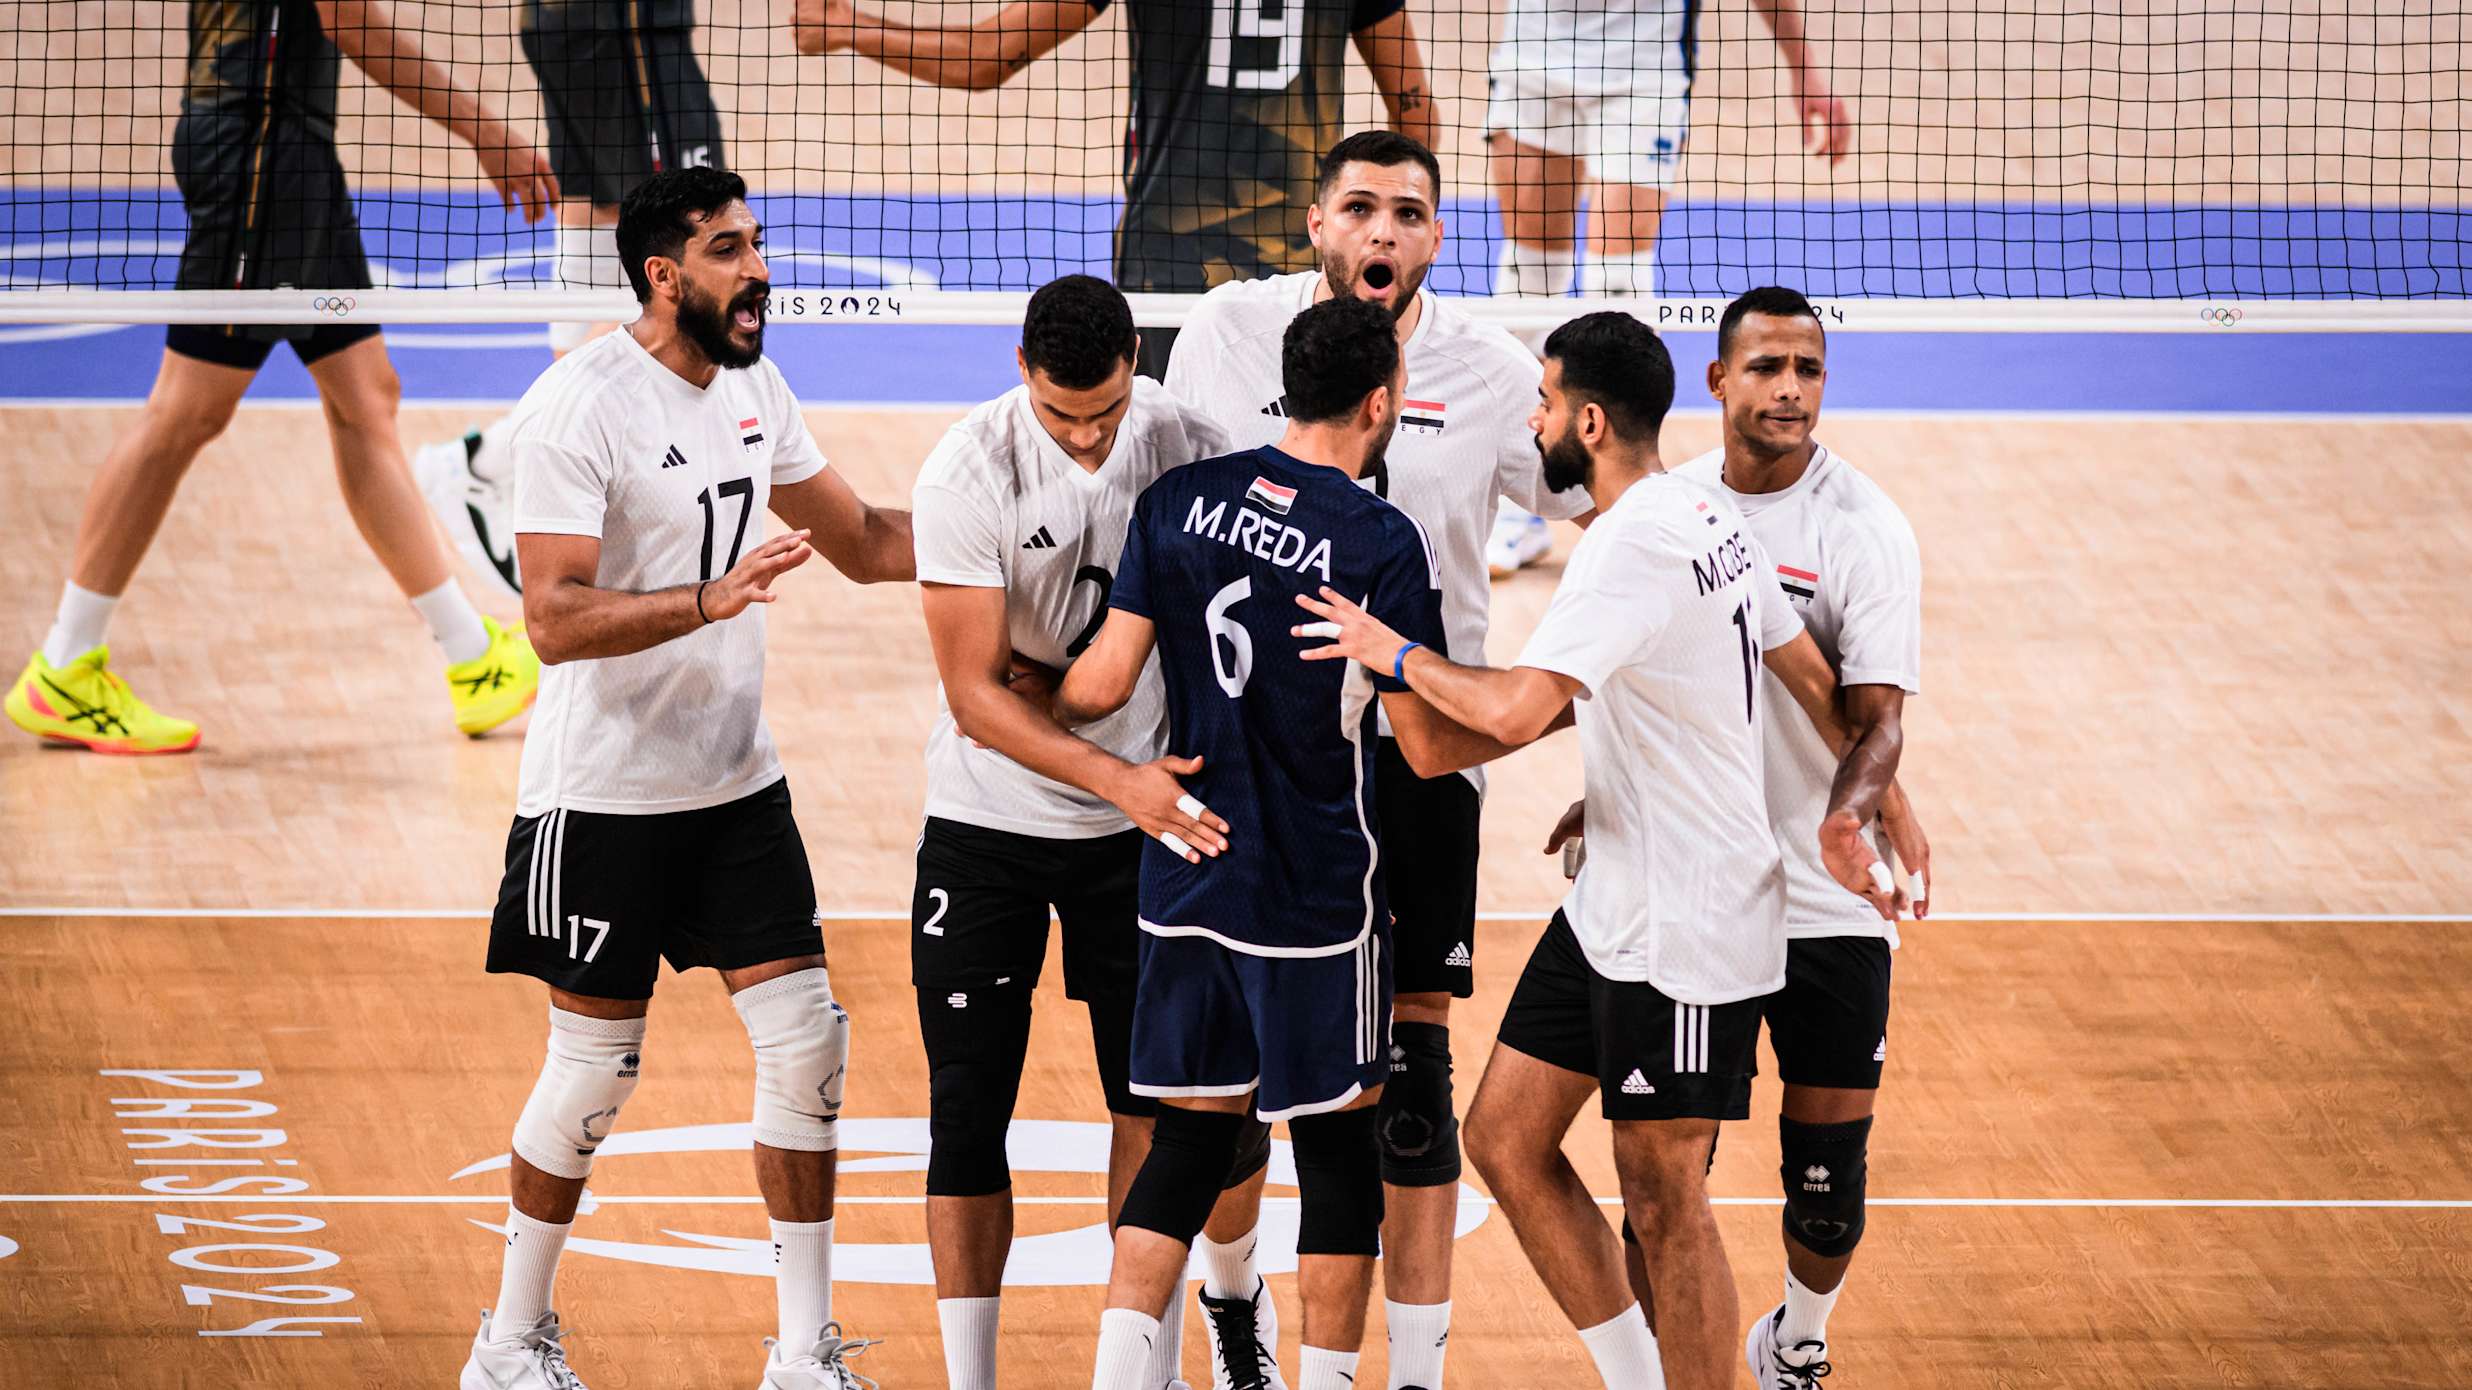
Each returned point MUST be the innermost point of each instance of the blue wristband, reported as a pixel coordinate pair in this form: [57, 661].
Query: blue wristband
[1399, 663]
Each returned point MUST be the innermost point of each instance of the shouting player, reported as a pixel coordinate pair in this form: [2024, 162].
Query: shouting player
[1846, 556]
[255, 154]
[652, 819]
[1462, 442]
[1020, 515]
[1266, 970]
[1646, 985]
[1230, 106]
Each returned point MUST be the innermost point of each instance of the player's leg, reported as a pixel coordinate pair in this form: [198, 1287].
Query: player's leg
[1635, 151]
[1239, 1315]
[1536, 181]
[578, 910]
[67, 693]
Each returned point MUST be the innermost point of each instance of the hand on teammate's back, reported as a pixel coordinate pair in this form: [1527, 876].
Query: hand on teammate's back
[1354, 633]
[1158, 803]
[1573, 825]
[750, 580]
[823, 26]
[520, 173]
[1856, 869]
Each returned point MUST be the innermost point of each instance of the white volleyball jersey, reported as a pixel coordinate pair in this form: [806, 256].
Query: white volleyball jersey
[1847, 560]
[1463, 438]
[674, 479]
[1600, 47]
[999, 505]
[1661, 617]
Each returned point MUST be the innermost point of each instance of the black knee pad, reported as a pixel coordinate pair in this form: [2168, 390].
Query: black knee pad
[1181, 1177]
[974, 1062]
[1252, 1152]
[1339, 1181]
[1824, 1176]
[1420, 1133]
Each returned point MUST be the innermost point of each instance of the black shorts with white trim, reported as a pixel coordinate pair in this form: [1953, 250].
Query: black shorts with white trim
[1829, 1025]
[592, 903]
[1429, 844]
[1653, 1058]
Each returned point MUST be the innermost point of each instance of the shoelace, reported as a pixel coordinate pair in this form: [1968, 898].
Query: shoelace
[1804, 1377]
[1233, 1319]
[545, 1344]
[830, 1349]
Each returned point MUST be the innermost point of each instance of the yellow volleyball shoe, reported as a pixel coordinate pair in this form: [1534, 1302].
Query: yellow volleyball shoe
[83, 703]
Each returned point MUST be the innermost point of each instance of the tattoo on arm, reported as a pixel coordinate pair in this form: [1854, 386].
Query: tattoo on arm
[1411, 99]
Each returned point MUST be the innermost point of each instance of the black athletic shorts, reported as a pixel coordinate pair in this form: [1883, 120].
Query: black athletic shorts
[623, 101]
[1829, 1024]
[1654, 1059]
[1429, 843]
[593, 902]
[268, 209]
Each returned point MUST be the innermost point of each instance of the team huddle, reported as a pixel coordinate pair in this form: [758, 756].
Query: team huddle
[1214, 693]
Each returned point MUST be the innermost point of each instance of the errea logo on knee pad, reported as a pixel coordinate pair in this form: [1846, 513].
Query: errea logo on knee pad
[1815, 1179]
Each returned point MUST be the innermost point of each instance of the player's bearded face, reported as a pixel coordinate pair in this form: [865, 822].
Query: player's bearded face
[1566, 461]
[1377, 234]
[730, 334]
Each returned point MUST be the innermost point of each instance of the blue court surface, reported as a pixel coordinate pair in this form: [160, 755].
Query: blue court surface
[132, 239]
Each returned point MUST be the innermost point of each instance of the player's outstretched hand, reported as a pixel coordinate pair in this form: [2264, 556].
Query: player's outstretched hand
[750, 580]
[1856, 869]
[1574, 823]
[1911, 846]
[1827, 128]
[520, 173]
[823, 26]
[1160, 805]
[1355, 634]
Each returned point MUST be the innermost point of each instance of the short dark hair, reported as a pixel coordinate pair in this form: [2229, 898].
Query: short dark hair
[658, 217]
[1334, 355]
[1387, 149]
[1619, 363]
[1079, 331]
[1775, 301]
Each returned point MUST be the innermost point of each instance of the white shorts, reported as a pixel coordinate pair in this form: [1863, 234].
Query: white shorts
[1632, 137]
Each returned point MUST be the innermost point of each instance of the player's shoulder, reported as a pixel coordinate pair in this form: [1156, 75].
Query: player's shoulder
[1242, 309]
[1669, 513]
[1489, 351]
[1167, 426]
[1707, 470]
[584, 393]
[977, 453]
[1853, 501]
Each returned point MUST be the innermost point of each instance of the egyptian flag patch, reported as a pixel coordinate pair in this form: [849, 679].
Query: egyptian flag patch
[749, 434]
[1705, 514]
[1424, 417]
[1270, 496]
[1801, 584]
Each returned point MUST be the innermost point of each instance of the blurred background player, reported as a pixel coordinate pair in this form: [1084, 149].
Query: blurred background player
[254, 151]
[624, 99]
[652, 819]
[1595, 95]
[1847, 560]
[1463, 442]
[1020, 514]
[1222, 154]
[1265, 970]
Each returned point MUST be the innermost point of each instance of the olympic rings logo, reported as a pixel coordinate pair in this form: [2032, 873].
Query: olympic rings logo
[336, 304]
[2219, 315]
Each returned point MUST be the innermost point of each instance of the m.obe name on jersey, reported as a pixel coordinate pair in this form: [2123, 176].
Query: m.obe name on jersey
[1260, 536]
[1730, 561]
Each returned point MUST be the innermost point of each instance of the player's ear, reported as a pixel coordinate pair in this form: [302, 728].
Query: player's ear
[1716, 380]
[1022, 362]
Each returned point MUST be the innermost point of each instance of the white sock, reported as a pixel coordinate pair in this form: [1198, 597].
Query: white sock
[78, 629]
[1619, 276]
[969, 1326]
[803, 1282]
[1324, 1369]
[1125, 1337]
[1227, 1270]
[1625, 1352]
[1806, 1313]
[529, 1275]
[1532, 271]
[1167, 1353]
[1419, 1334]
[453, 621]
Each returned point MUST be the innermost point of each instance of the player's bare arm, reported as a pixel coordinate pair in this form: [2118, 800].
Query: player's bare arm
[572, 620]
[1388, 46]
[1867, 746]
[1098, 684]
[366, 32]
[1513, 708]
[1827, 129]
[1433, 743]
[973, 57]
[869, 544]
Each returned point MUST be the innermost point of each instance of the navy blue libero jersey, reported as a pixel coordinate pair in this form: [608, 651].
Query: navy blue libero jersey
[1217, 552]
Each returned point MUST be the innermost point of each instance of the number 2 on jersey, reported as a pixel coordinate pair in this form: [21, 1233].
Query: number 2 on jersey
[744, 490]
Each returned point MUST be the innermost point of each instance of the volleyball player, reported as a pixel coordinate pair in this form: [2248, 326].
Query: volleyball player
[1220, 155]
[1646, 986]
[1463, 441]
[1020, 515]
[652, 818]
[1845, 555]
[624, 98]
[1596, 95]
[254, 152]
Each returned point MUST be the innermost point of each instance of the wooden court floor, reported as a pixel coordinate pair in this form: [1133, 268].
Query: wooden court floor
[2174, 669]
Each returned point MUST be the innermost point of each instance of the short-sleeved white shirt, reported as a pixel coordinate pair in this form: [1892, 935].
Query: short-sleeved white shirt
[1463, 438]
[1846, 557]
[1661, 617]
[674, 479]
[999, 505]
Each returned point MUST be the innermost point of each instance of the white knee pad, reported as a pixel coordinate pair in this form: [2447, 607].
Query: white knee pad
[1533, 271]
[802, 1051]
[591, 1070]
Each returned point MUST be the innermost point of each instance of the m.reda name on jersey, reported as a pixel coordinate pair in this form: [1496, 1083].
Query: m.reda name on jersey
[1259, 536]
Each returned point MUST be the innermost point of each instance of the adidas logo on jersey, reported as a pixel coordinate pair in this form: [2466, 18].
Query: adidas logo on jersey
[673, 459]
[1039, 540]
[1459, 956]
[1637, 1085]
[1277, 410]
[1880, 1053]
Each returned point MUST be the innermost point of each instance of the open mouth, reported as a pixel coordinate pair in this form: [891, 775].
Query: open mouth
[1380, 276]
[747, 315]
